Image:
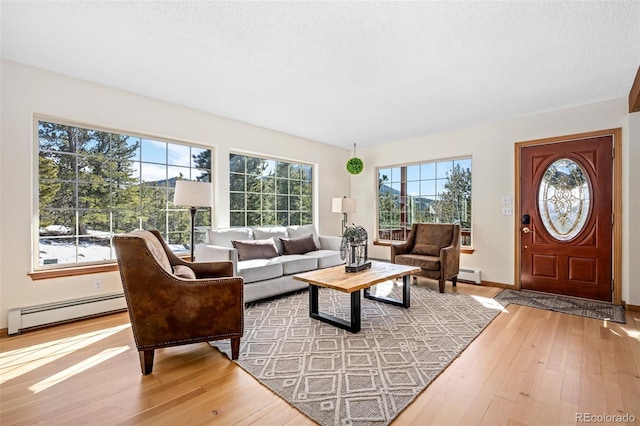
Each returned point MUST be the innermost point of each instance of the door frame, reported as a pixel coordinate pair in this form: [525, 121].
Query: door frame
[617, 202]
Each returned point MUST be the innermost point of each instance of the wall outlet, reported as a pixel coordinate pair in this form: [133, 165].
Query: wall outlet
[506, 199]
[97, 285]
[506, 211]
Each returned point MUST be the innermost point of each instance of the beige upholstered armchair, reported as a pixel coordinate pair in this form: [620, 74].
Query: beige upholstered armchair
[172, 302]
[432, 247]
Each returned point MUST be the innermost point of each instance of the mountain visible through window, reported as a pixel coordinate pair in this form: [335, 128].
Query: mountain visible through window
[431, 192]
[95, 183]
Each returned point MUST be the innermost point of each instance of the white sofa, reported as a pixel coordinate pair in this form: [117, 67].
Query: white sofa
[267, 277]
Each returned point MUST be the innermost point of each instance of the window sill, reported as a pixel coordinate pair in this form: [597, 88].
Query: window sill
[464, 250]
[73, 271]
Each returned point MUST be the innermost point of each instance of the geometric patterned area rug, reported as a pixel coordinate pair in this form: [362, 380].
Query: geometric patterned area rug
[367, 378]
[563, 304]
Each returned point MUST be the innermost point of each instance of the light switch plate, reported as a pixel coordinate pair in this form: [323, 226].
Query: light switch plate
[506, 199]
[506, 211]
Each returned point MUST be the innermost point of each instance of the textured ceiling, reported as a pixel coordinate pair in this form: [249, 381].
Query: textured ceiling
[340, 72]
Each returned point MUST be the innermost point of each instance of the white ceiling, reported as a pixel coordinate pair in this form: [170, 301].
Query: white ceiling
[340, 72]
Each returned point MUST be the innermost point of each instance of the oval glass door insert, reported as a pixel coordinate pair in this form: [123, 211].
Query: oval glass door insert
[564, 199]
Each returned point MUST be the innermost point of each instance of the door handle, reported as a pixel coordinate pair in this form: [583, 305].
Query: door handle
[526, 230]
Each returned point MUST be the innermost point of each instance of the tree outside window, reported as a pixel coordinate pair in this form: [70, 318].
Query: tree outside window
[93, 184]
[433, 192]
[269, 192]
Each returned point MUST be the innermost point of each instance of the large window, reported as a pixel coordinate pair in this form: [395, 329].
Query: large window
[267, 192]
[433, 192]
[93, 183]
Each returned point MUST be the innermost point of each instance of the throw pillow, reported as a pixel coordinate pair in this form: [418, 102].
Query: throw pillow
[426, 249]
[300, 245]
[298, 231]
[275, 232]
[256, 249]
[183, 271]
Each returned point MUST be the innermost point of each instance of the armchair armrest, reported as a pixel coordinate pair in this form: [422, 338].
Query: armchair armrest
[400, 248]
[219, 269]
[450, 260]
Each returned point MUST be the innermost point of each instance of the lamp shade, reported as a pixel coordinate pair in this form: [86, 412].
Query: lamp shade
[193, 194]
[343, 205]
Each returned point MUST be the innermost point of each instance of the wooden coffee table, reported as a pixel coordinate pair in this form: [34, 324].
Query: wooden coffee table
[352, 282]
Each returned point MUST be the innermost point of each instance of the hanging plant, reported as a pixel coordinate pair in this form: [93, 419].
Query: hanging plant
[355, 165]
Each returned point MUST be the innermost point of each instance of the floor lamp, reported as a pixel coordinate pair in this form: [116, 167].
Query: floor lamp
[343, 205]
[193, 194]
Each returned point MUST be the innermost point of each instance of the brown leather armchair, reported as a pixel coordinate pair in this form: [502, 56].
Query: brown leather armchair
[172, 302]
[432, 247]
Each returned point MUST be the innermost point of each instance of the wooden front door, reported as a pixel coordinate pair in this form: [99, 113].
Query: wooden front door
[566, 202]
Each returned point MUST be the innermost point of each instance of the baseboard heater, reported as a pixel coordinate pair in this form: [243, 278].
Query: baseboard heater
[21, 319]
[469, 275]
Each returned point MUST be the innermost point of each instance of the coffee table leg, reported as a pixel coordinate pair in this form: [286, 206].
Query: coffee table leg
[406, 291]
[313, 300]
[355, 312]
[354, 325]
[406, 294]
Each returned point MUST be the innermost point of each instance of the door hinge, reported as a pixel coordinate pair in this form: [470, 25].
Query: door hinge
[612, 219]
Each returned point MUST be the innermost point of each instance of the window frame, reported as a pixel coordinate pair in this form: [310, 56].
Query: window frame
[76, 267]
[406, 225]
[311, 197]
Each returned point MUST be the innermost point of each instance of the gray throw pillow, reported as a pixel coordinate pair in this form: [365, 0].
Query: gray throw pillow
[298, 231]
[300, 245]
[256, 249]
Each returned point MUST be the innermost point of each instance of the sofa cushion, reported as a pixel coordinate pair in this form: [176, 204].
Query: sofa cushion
[300, 245]
[256, 249]
[326, 258]
[295, 263]
[259, 270]
[223, 237]
[276, 232]
[298, 231]
[431, 263]
[183, 271]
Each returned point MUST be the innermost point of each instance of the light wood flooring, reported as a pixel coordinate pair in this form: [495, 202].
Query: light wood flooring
[529, 366]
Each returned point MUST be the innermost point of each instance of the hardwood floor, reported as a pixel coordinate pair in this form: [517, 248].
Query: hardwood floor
[529, 366]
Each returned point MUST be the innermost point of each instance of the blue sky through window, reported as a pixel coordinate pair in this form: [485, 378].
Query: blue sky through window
[155, 154]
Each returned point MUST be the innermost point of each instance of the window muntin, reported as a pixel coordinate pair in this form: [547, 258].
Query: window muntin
[94, 183]
[265, 192]
[432, 192]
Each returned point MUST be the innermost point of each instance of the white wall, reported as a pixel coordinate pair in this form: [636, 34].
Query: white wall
[492, 148]
[27, 91]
